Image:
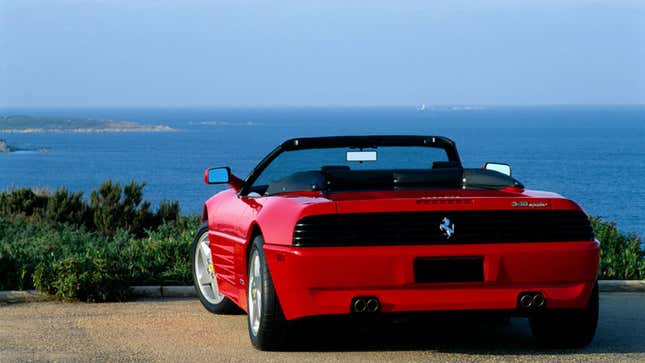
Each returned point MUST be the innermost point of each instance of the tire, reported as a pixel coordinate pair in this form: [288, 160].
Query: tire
[204, 276]
[268, 328]
[567, 328]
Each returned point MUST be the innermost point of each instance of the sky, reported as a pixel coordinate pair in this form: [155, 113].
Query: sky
[145, 53]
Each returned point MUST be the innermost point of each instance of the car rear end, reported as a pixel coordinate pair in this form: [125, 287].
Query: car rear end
[451, 254]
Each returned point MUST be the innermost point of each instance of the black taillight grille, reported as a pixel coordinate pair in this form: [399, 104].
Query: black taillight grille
[421, 228]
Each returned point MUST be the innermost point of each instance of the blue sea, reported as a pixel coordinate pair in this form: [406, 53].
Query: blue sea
[594, 155]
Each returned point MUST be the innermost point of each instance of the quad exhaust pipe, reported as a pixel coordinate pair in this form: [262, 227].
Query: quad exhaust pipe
[526, 301]
[365, 304]
[531, 300]
[360, 306]
[373, 305]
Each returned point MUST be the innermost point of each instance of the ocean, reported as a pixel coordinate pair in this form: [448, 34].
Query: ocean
[594, 155]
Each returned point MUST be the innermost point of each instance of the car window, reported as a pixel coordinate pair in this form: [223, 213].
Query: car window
[387, 158]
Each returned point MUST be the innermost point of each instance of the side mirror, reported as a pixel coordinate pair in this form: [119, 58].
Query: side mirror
[223, 175]
[217, 175]
[499, 167]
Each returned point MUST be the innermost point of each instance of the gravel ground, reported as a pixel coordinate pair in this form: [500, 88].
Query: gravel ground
[181, 330]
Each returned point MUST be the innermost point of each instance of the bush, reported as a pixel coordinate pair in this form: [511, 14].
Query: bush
[163, 257]
[20, 251]
[66, 207]
[88, 277]
[168, 211]
[73, 263]
[621, 256]
[113, 209]
[22, 201]
[63, 245]
[25, 243]
[110, 208]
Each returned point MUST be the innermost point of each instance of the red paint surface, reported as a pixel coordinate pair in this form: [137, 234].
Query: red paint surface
[322, 280]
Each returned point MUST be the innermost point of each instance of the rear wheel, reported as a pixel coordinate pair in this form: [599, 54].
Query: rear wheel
[567, 329]
[204, 276]
[268, 328]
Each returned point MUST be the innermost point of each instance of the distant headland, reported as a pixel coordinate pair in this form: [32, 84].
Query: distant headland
[30, 124]
[5, 148]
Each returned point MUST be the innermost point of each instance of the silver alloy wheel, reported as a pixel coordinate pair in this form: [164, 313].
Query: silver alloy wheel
[255, 293]
[205, 272]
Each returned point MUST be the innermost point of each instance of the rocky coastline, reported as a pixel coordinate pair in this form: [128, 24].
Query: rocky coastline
[31, 124]
[5, 148]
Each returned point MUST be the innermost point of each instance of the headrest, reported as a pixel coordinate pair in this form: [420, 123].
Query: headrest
[445, 164]
[327, 168]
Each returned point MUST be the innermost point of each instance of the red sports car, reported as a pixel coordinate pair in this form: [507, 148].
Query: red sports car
[369, 225]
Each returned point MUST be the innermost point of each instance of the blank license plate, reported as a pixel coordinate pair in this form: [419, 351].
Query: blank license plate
[449, 269]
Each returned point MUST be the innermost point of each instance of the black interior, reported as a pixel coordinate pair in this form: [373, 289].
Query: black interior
[301, 181]
[340, 178]
[355, 142]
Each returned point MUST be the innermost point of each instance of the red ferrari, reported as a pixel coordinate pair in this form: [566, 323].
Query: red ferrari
[369, 225]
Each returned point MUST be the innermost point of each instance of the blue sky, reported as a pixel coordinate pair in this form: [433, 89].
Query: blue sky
[112, 53]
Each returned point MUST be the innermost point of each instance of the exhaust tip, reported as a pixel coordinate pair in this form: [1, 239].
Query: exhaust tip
[360, 305]
[365, 304]
[531, 301]
[538, 300]
[526, 301]
[373, 305]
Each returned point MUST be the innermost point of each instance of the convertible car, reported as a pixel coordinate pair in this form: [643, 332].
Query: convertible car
[375, 225]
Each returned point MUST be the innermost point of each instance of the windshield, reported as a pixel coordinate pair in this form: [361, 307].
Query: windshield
[301, 169]
[387, 158]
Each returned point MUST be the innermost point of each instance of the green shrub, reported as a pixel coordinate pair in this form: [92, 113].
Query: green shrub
[101, 268]
[162, 257]
[24, 243]
[88, 277]
[22, 201]
[621, 256]
[168, 211]
[74, 249]
[109, 209]
[66, 207]
[113, 209]
[18, 253]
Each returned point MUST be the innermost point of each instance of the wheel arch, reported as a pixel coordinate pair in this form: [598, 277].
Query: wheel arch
[205, 214]
[254, 231]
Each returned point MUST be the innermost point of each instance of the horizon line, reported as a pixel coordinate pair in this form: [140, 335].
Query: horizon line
[429, 106]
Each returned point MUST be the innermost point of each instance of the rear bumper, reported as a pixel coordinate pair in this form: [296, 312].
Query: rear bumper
[323, 280]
